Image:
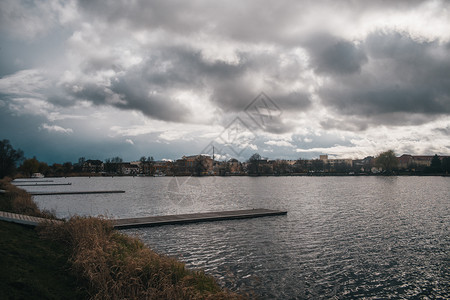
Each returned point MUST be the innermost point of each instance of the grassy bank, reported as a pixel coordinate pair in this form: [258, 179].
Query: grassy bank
[92, 260]
[33, 268]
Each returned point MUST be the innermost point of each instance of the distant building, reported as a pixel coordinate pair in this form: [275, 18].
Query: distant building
[140, 166]
[363, 165]
[162, 167]
[412, 162]
[235, 166]
[92, 166]
[193, 165]
[336, 164]
[130, 169]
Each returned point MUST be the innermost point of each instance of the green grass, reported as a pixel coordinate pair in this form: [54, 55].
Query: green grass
[34, 268]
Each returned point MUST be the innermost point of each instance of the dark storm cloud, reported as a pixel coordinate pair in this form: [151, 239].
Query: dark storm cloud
[97, 94]
[354, 125]
[187, 67]
[150, 85]
[233, 93]
[297, 101]
[129, 94]
[136, 96]
[278, 125]
[405, 81]
[334, 55]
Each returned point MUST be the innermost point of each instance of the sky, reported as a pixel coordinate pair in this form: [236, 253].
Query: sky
[285, 79]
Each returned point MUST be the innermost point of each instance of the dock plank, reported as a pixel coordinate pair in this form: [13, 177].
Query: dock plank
[194, 218]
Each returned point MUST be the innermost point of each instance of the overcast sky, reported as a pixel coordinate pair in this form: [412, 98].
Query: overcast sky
[286, 79]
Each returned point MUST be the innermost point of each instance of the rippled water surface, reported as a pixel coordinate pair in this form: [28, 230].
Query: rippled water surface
[343, 237]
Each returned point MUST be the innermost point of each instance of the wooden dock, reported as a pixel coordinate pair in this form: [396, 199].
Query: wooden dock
[24, 219]
[41, 184]
[156, 220]
[74, 193]
[26, 181]
[195, 218]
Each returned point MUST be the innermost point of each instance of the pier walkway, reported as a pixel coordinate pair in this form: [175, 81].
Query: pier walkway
[74, 193]
[157, 220]
[41, 184]
[195, 218]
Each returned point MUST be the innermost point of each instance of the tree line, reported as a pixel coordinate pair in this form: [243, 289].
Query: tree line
[13, 161]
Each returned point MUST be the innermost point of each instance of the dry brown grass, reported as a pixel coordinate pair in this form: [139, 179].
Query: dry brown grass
[19, 201]
[117, 266]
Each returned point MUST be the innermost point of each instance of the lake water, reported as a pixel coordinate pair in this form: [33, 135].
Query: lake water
[343, 237]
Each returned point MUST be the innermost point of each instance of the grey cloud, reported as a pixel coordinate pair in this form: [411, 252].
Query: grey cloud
[147, 86]
[284, 101]
[334, 55]
[405, 82]
[94, 93]
[234, 92]
[362, 123]
[96, 64]
[445, 130]
[178, 67]
[298, 100]
[277, 125]
[248, 21]
[159, 106]
[130, 93]
[354, 125]
[59, 97]
[189, 66]
[24, 18]
[179, 16]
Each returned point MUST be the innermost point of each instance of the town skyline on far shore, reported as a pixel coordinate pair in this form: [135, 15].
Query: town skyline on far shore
[385, 163]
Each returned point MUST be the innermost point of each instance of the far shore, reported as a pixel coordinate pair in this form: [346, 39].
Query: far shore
[317, 174]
